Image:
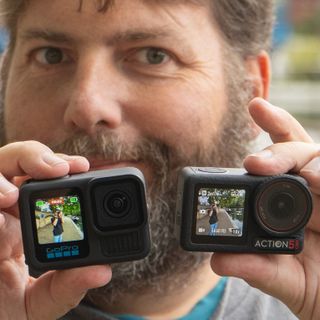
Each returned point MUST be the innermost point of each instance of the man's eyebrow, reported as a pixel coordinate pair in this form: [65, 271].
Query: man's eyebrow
[132, 35]
[34, 34]
[140, 35]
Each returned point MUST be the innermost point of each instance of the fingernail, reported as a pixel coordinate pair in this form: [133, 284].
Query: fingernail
[52, 160]
[264, 154]
[5, 186]
[313, 166]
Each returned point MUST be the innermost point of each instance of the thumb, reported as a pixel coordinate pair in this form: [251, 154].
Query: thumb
[268, 273]
[56, 292]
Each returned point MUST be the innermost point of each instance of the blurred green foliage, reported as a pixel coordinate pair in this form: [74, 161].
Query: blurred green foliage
[304, 57]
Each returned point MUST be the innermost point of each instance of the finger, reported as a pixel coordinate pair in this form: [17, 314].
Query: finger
[76, 163]
[10, 237]
[280, 125]
[9, 193]
[281, 158]
[31, 158]
[55, 293]
[311, 172]
[266, 273]
[35, 160]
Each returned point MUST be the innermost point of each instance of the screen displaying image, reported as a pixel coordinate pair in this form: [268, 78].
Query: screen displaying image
[58, 219]
[220, 212]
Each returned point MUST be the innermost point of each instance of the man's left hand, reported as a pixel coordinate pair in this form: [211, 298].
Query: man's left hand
[294, 279]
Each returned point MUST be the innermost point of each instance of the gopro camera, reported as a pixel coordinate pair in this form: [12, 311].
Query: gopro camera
[228, 210]
[84, 219]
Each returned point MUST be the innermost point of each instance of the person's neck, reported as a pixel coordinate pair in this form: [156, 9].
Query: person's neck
[175, 304]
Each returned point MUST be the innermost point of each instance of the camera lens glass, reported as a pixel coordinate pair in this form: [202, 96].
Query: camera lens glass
[282, 206]
[117, 204]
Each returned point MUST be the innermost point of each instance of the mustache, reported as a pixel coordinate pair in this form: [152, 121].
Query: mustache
[109, 147]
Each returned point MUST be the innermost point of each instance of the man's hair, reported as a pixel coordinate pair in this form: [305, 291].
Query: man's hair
[246, 25]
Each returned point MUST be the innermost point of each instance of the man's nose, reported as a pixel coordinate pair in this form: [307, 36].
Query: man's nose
[95, 97]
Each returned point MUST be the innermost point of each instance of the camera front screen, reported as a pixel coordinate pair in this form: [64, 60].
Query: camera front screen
[58, 219]
[220, 212]
[58, 224]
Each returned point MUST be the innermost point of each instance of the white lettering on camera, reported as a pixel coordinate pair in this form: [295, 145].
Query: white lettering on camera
[291, 244]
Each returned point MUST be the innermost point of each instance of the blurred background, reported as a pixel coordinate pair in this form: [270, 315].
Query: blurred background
[296, 61]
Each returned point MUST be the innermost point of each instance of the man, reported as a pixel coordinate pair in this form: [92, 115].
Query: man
[57, 223]
[213, 220]
[156, 85]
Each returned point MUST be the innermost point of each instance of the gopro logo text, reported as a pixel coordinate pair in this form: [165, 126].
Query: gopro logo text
[62, 251]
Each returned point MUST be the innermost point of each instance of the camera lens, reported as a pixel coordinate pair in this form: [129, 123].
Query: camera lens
[283, 206]
[117, 204]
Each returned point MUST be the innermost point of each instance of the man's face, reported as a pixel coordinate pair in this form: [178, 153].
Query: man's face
[139, 70]
[143, 84]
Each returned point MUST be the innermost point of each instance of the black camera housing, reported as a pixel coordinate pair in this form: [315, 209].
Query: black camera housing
[258, 214]
[104, 219]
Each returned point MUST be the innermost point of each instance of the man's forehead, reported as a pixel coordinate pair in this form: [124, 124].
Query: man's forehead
[105, 5]
[124, 19]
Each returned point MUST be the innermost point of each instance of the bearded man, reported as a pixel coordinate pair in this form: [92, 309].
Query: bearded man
[157, 85]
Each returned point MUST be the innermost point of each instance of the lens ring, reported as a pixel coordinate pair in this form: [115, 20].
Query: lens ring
[282, 206]
[117, 204]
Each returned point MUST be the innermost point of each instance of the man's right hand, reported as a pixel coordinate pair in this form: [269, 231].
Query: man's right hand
[55, 292]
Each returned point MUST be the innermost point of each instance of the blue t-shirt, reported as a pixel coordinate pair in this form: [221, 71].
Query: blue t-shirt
[231, 299]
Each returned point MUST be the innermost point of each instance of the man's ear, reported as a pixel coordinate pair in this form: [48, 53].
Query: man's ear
[259, 71]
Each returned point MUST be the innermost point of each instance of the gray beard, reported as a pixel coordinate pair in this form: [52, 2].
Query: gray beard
[163, 269]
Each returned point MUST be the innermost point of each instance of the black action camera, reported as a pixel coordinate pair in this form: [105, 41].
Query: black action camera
[90, 218]
[228, 210]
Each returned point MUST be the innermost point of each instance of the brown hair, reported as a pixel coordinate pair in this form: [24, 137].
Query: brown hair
[246, 25]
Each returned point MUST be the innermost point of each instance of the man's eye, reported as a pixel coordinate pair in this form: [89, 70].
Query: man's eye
[152, 56]
[50, 56]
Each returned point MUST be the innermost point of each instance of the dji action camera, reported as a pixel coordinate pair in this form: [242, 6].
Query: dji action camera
[90, 218]
[228, 210]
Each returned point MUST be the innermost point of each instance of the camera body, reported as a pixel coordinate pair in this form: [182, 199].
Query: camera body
[90, 218]
[229, 210]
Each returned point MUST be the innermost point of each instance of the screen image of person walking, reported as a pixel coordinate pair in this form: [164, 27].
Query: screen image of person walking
[57, 222]
[213, 221]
